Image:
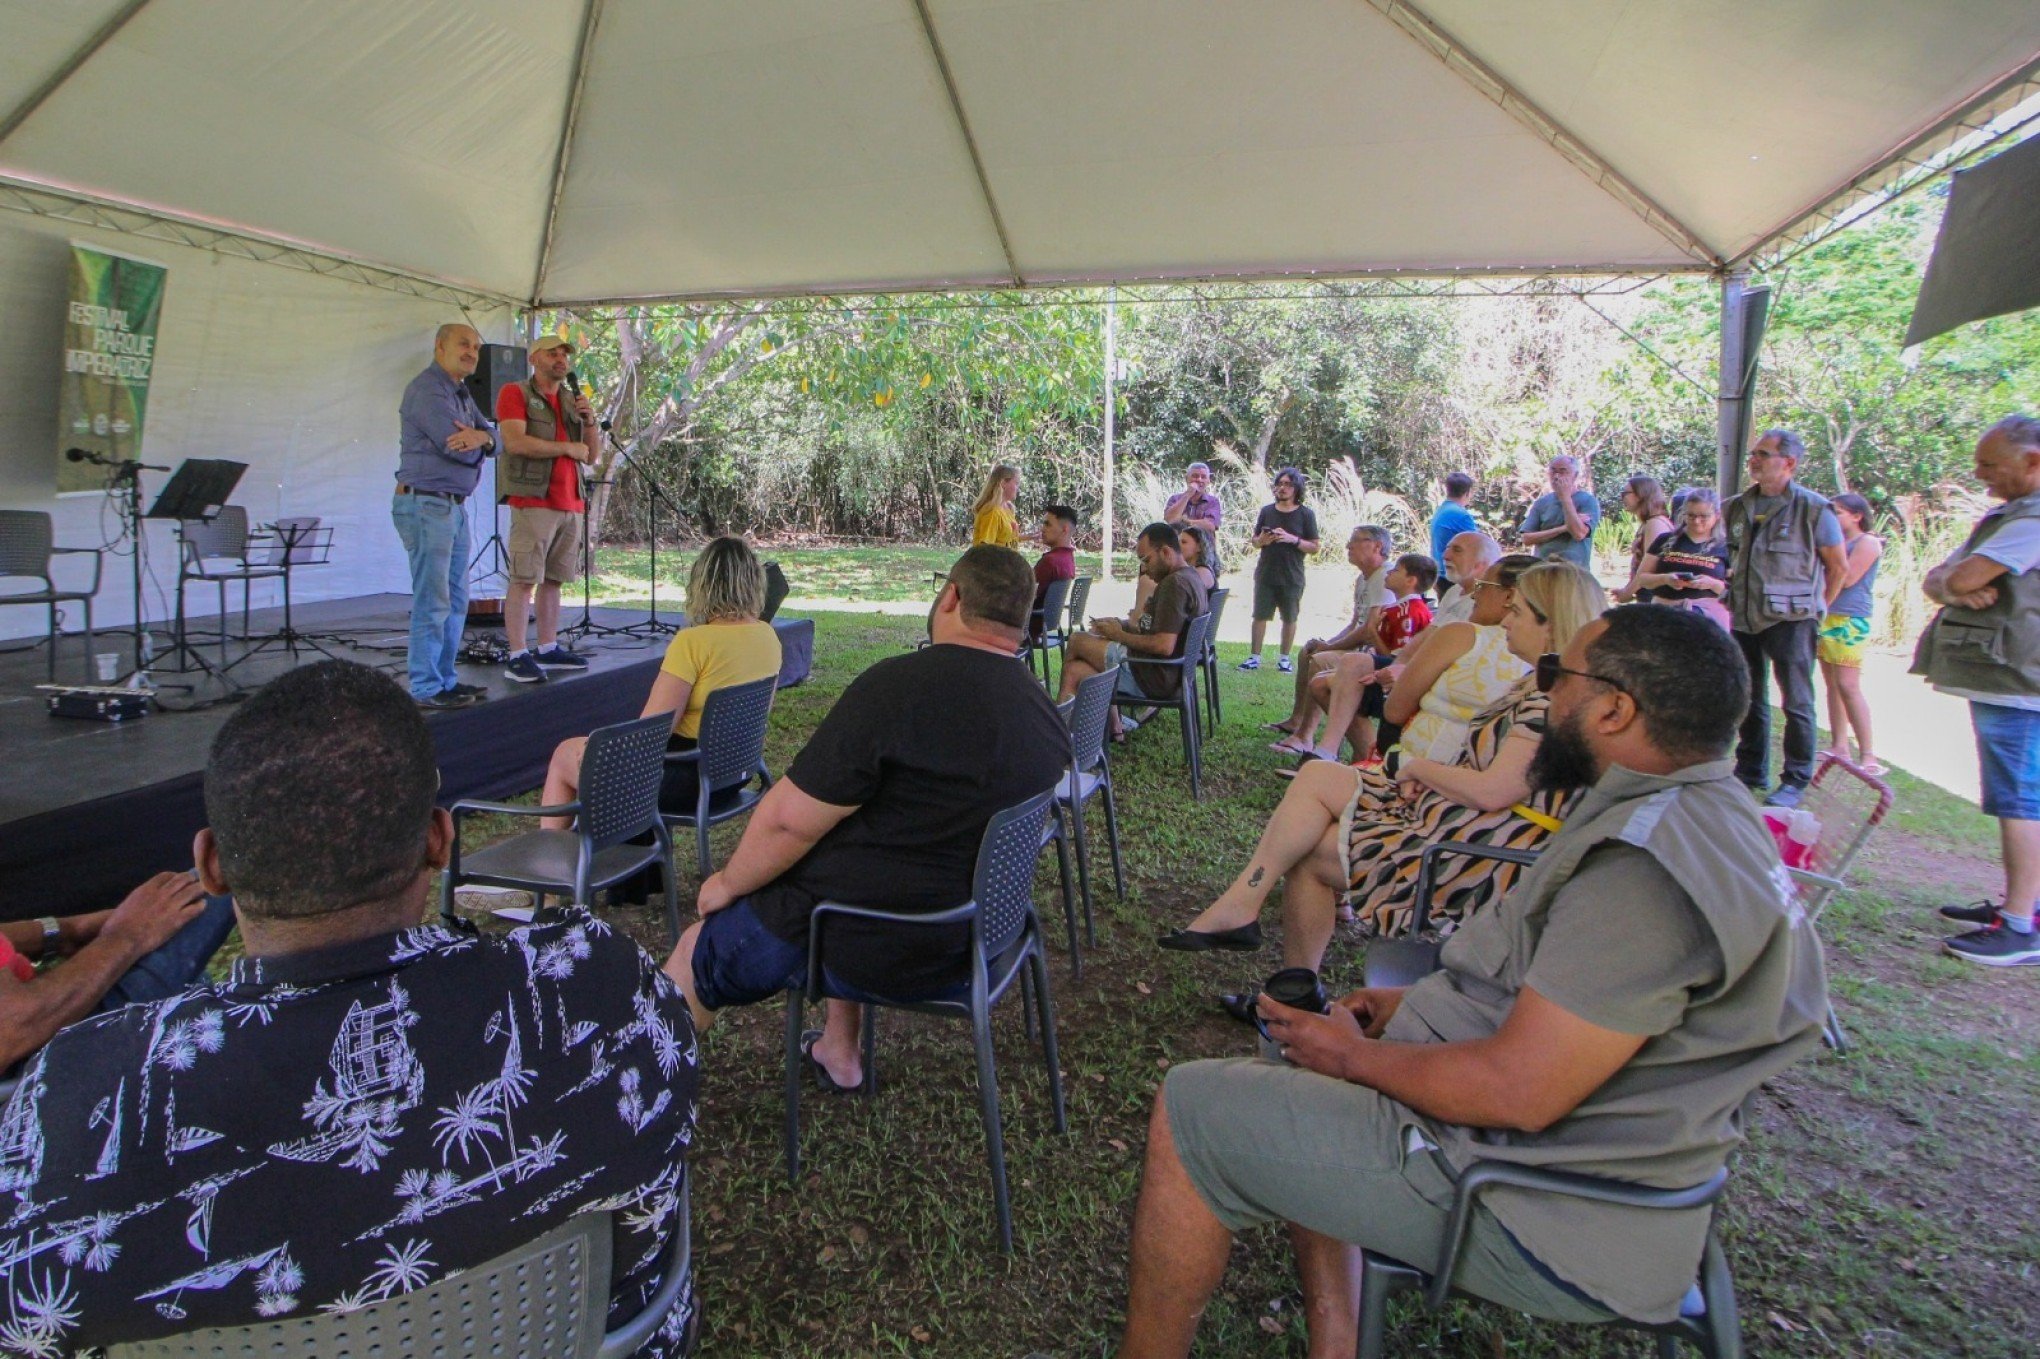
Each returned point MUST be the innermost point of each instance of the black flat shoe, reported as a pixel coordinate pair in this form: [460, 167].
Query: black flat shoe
[1235, 1003]
[1245, 939]
[828, 1083]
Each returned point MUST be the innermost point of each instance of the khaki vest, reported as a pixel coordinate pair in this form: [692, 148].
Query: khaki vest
[1775, 575]
[1994, 650]
[522, 476]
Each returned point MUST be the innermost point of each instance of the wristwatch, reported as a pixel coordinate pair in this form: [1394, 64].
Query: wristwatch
[52, 935]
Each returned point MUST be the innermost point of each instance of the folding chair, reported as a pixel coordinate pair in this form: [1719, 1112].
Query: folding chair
[1005, 936]
[1707, 1315]
[25, 551]
[620, 774]
[730, 751]
[1849, 804]
[1197, 635]
[545, 1298]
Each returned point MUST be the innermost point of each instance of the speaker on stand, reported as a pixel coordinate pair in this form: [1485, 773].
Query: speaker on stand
[501, 365]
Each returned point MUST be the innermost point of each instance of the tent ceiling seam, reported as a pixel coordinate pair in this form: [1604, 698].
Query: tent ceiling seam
[591, 19]
[1490, 84]
[42, 93]
[977, 163]
[130, 220]
[1914, 160]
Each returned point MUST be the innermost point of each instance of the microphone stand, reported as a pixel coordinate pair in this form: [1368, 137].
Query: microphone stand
[653, 625]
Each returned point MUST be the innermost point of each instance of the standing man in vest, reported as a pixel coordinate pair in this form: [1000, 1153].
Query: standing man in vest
[545, 445]
[1984, 645]
[1786, 564]
[442, 440]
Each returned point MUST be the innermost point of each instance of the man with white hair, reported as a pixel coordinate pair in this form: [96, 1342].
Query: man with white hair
[1467, 558]
[1195, 505]
[1984, 645]
[1559, 526]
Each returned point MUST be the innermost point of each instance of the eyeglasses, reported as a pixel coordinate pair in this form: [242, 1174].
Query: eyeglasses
[1549, 669]
[1477, 586]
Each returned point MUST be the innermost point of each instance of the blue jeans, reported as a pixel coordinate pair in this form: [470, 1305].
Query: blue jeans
[738, 961]
[2008, 749]
[435, 534]
[177, 963]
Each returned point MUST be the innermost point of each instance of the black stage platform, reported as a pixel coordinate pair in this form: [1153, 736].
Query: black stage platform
[89, 809]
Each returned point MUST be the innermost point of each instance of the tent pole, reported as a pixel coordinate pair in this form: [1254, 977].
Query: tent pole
[1731, 396]
[1111, 361]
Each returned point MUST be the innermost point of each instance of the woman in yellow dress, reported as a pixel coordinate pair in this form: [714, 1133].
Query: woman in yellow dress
[991, 519]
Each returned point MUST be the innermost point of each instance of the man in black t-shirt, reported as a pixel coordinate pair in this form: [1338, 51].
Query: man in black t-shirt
[884, 808]
[1179, 596]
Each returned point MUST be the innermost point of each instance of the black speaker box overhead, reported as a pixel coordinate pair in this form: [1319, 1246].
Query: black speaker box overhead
[501, 365]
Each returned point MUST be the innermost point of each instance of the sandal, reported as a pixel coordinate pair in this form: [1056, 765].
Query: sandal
[821, 1074]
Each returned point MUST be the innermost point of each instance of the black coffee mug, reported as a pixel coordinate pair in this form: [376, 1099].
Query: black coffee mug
[1296, 987]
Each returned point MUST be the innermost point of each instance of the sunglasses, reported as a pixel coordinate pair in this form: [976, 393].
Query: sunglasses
[1550, 667]
[1477, 586]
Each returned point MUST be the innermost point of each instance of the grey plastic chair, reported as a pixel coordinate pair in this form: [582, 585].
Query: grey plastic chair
[1401, 962]
[216, 551]
[1707, 1315]
[1080, 600]
[1089, 775]
[1197, 635]
[26, 548]
[545, 1299]
[1006, 944]
[620, 775]
[1217, 607]
[1045, 632]
[730, 752]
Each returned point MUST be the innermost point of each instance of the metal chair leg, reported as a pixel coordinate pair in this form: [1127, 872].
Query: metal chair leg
[995, 1142]
[1374, 1291]
[1112, 838]
[1831, 1033]
[794, 1007]
[1069, 896]
[1082, 838]
[1038, 965]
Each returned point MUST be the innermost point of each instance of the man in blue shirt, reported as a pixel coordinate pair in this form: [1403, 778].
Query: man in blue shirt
[444, 437]
[1560, 524]
[1452, 518]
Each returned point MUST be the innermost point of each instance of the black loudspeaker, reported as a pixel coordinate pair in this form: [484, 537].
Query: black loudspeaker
[501, 365]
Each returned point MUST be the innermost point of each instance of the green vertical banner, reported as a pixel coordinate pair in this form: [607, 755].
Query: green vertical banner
[109, 354]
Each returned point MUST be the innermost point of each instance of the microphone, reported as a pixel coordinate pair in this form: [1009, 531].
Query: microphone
[574, 386]
[86, 455]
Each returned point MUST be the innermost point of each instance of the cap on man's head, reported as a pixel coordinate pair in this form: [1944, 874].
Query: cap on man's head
[545, 342]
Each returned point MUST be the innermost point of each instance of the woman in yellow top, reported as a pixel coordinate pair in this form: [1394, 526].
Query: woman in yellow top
[991, 519]
[724, 643]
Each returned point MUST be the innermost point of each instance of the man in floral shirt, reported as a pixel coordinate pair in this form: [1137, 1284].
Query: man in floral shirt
[367, 1104]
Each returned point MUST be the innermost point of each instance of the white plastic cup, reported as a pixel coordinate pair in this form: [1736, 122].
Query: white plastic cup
[106, 665]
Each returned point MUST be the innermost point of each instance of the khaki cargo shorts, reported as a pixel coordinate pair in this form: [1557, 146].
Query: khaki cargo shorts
[545, 545]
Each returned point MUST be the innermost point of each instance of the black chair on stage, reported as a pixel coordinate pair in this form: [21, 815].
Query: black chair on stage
[1005, 939]
[621, 770]
[1185, 701]
[730, 752]
[216, 551]
[26, 550]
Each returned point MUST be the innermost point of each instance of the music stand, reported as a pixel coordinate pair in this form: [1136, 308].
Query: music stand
[199, 489]
[294, 540]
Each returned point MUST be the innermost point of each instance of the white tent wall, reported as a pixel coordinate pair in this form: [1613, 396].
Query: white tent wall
[295, 374]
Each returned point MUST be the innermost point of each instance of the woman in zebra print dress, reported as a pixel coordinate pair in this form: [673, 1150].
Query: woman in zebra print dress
[1342, 831]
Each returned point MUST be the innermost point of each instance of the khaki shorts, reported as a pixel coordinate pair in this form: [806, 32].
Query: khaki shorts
[1267, 1142]
[544, 545]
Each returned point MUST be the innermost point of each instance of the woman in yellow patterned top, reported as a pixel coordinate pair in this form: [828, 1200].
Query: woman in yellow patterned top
[1362, 832]
[724, 643]
[991, 519]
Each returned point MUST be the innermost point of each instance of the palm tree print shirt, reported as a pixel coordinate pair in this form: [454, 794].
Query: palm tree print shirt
[325, 1129]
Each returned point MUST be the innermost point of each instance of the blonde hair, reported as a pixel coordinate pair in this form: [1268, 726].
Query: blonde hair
[1000, 475]
[726, 583]
[1565, 596]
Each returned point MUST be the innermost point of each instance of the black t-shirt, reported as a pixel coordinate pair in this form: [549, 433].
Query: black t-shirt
[926, 746]
[1283, 562]
[1677, 552]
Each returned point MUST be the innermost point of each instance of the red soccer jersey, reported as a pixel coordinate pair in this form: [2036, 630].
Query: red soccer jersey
[1402, 621]
[564, 493]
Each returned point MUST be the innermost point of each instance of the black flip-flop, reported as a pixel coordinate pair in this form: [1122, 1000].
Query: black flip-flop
[821, 1074]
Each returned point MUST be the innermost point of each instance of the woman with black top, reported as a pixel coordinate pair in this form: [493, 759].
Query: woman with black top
[1286, 533]
[1689, 569]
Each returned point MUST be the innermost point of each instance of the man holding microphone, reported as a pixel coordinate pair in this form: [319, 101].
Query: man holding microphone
[546, 442]
[443, 438]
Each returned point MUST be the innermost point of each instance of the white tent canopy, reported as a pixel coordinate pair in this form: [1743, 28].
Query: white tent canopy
[559, 152]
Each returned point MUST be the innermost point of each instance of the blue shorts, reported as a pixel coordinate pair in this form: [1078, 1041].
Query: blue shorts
[2008, 749]
[738, 961]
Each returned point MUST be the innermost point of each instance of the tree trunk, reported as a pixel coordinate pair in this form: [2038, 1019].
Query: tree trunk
[1266, 439]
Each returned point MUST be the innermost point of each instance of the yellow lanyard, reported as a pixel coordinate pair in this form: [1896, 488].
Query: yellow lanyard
[1537, 818]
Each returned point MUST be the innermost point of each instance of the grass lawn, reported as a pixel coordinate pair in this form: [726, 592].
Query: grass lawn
[1875, 1211]
[874, 573]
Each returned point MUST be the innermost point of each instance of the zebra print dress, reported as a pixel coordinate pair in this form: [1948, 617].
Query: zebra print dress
[1385, 833]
